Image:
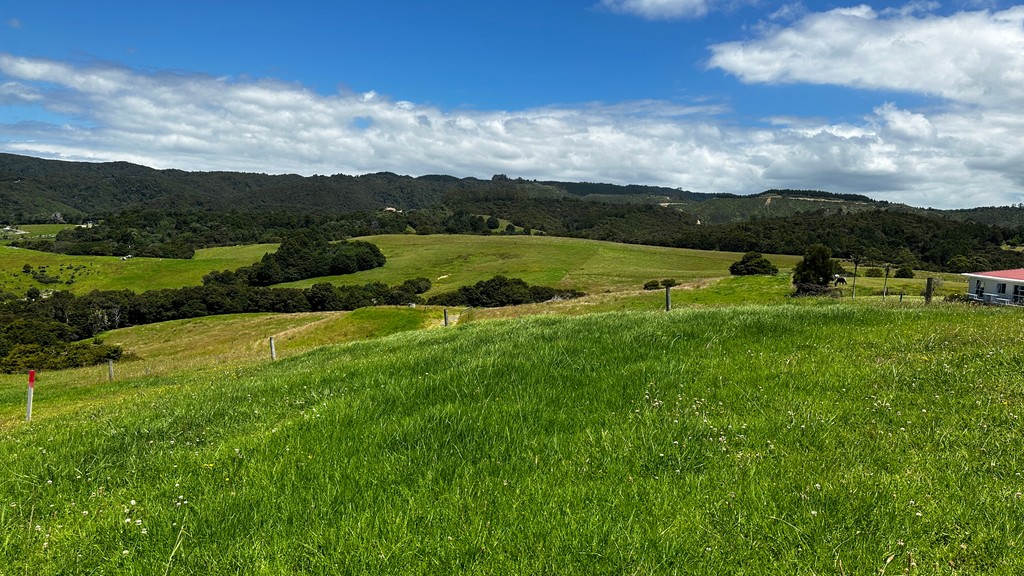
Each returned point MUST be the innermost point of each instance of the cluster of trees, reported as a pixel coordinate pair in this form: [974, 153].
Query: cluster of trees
[41, 343]
[500, 291]
[922, 242]
[303, 255]
[157, 234]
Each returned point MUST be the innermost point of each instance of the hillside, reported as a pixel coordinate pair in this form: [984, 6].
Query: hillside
[448, 261]
[33, 189]
[703, 441]
[169, 214]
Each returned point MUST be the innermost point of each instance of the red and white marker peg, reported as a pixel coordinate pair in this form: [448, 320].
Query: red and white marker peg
[31, 389]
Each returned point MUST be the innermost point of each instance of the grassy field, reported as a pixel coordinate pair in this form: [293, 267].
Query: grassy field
[87, 273]
[34, 231]
[217, 342]
[448, 261]
[591, 266]
[832, 438]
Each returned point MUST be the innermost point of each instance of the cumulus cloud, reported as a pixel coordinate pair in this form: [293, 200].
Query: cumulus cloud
[971, 57]
[966, 147]
[14, 23]
[659, 9]
[965, 155]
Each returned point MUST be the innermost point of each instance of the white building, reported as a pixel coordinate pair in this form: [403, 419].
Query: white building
[997, 287]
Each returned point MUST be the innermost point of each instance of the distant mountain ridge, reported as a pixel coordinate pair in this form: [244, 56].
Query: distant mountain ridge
[36, 190]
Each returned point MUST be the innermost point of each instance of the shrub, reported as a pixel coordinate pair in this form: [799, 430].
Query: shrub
[751, 264]
[874, 273]
[812, 289]
[905, 272]
[652, 285]
[669, 282]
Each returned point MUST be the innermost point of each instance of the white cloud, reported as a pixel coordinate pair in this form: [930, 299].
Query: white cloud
[971, 57]
[659, 9]
[962, 155]
[966, 149]
[14, 23]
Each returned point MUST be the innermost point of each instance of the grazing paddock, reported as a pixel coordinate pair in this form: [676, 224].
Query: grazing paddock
[81, 274]
[588, 265]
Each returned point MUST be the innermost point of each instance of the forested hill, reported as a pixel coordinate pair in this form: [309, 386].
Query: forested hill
[34, 190]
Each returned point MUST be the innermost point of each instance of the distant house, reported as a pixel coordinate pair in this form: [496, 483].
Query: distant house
[997, 287]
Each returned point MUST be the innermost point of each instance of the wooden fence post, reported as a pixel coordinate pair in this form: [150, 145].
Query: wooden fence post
[110, 370]
[929, 288]
[668, 298]
[273, 351]
[446, 317]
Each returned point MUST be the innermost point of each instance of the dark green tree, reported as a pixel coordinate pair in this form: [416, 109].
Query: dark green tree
[816, 267]
[905, 272]
[753, 263]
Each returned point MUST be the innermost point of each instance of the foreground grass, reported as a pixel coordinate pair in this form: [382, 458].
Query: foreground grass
[839, 439]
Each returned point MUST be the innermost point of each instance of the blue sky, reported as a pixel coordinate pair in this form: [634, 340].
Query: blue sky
[914, 102]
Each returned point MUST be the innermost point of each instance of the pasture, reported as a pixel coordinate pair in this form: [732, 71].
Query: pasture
[588, 265]
[449, 262]
[838, 438]
[81, 274]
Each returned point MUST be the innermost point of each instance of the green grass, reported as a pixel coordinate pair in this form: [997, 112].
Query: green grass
[591, 266]
[35, 231]
[111, 273]
[910, 287]
[817, 439]
[178, 346]
[729, 291]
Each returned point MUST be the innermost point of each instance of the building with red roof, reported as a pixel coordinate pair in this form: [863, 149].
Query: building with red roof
[997, 287]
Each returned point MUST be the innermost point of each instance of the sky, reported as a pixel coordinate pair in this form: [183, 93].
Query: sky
[919, 102]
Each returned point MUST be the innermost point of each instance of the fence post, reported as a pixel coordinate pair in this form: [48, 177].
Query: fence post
[929, 288]
[110, 370]
[668, 298]
[273, 351]
[446, 317]
[31, 389]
